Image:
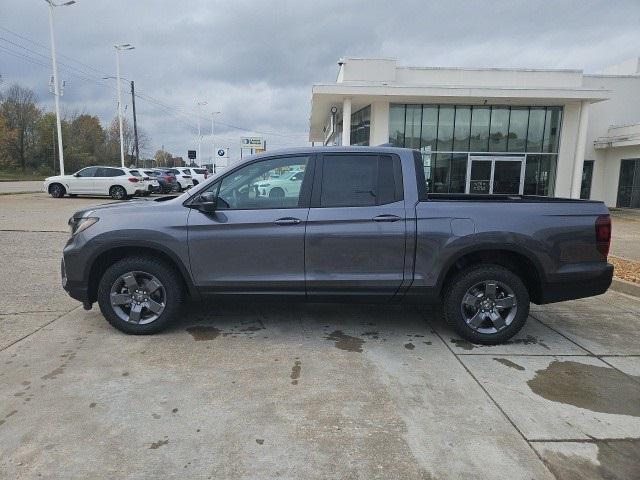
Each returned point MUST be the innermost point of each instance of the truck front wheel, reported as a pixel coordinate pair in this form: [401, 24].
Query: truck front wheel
[486, 304]
[139, 295]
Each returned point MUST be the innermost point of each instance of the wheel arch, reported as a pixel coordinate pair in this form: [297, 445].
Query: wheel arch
[105, 258]
[522, 263]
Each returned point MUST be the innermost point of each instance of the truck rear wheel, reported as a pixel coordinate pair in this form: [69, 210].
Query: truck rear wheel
[486, 304]
[139, 295]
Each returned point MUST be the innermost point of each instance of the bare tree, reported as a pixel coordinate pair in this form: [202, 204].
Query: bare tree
[20, 114]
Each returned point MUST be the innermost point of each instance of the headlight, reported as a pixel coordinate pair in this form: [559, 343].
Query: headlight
[78, 225]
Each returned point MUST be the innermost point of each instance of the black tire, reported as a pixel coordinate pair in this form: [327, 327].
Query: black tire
[457, 310]
[118, 192]
[276, 192]
[195, 182]
[166, 275]
[56, 190]
[73, 195]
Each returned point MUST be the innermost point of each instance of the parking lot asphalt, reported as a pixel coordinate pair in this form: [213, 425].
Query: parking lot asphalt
[302, 391]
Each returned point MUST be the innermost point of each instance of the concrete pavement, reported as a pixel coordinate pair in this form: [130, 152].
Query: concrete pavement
[304, 391]
[16, 187]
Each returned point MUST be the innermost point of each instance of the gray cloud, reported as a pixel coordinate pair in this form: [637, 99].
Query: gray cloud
[255, 61]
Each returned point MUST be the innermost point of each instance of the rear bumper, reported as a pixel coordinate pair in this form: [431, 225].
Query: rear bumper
[569, 286]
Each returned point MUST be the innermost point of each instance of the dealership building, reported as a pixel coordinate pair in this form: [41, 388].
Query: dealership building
[512, 131]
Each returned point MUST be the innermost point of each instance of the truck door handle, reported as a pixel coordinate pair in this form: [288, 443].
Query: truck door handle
[287, 221]
[386, 218]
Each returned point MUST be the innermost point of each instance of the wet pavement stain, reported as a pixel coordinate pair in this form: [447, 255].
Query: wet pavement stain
[251, 329]
[345, 342]
[509, 363]
[595, 388]
[295, 372]
[260, 441]
[158, 444]
[409, 346]
[528, 340]
[203, 332]
[463, 344]
[54, 373]
[92, 405]
[374, 335]
[618, 460]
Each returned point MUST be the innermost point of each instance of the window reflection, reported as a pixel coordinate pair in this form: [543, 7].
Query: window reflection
[518, 123]
[536, 129]
[445, 128]
[499, 129]
[461, 130]
[480, 119]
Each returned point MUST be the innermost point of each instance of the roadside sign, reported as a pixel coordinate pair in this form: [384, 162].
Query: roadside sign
[191, 154]
[252, 142]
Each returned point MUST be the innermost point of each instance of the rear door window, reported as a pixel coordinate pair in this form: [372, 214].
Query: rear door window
[360, 180]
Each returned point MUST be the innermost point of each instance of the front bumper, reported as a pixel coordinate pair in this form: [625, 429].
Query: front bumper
[77, 291]
[570, 286]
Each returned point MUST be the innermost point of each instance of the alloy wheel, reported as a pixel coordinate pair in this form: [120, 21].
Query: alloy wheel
[138, 297]
[489, 306]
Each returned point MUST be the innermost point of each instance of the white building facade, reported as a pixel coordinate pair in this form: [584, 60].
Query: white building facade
[512, 131]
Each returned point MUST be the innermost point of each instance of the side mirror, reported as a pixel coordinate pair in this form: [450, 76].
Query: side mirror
[207, 202]
[76, 175]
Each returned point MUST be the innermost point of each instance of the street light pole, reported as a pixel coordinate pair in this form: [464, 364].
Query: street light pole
[213, 144]
[124, 46]
[199, 154]
[135, 123]
[56, 86]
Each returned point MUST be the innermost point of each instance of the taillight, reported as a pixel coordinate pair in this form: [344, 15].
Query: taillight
[133, 179]
[603, 234]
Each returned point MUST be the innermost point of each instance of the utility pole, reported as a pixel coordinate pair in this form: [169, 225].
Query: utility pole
[56, 86]
[135, 124]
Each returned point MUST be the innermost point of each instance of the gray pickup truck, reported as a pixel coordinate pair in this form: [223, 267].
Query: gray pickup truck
[357, 225]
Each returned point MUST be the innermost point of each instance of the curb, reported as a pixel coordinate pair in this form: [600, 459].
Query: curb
[623, 286]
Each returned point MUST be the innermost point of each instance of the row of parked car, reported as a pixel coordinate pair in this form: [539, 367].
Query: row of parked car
[121, 183]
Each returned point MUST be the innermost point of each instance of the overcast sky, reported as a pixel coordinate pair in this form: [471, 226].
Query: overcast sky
[255, 61]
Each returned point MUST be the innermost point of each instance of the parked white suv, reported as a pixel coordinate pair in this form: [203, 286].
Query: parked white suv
[117, 182]
[198, 175]
[286, 185]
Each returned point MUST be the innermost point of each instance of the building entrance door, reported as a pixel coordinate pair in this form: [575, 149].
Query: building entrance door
[495, 175]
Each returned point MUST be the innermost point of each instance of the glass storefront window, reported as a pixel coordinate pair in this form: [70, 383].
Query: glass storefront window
[458, 181]
[445, 128]
[480, 119]
[360, 126]
[396, 125]
[461, 129]
[499, 129]
[440, 171]
[518, 124]
[412, 126]
[552, 129]
[429, 137]
[536, 129]
[540, 175]
[440, 130]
